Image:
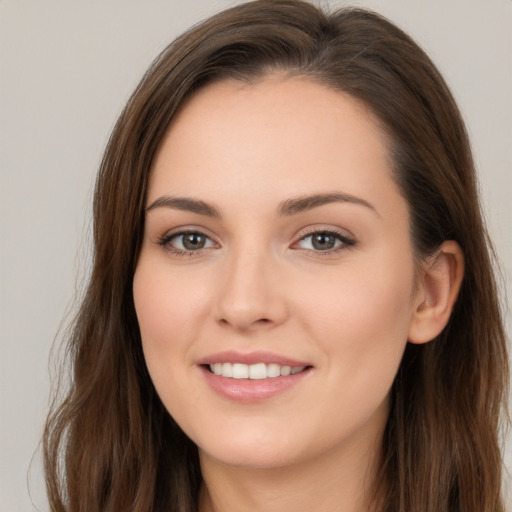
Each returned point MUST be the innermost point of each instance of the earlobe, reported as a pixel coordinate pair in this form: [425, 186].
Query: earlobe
[438, 287]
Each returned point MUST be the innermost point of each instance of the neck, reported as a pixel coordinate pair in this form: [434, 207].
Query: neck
[335, 481]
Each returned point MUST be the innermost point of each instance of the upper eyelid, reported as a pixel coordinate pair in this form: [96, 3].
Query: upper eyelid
[318, 228]
[183, 230]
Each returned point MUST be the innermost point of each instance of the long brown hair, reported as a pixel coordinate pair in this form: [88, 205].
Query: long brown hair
[111, 446]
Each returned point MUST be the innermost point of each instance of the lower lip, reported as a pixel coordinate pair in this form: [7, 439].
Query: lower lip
[251, 390]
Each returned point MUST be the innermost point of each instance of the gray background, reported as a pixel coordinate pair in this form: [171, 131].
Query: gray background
[66, 69]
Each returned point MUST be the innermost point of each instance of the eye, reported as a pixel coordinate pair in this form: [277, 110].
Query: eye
[324, 241]
[186, 242]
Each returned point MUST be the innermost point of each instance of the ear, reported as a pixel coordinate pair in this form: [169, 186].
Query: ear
[438, 286]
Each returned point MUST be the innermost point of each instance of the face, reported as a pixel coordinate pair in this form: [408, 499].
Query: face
[275, 285]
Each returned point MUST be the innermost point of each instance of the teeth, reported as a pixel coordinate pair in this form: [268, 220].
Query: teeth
[240, 371]
[258, 371]
[286, 370]
[273, 370]
[227, 370]
[254, 371]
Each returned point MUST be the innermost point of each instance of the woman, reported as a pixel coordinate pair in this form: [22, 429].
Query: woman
[292, 303]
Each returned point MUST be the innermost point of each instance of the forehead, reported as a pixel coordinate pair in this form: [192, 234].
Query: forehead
[297, 135]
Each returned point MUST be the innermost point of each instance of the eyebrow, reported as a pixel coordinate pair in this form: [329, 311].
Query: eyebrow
[185, 204]
[304, 203]
[286, 208]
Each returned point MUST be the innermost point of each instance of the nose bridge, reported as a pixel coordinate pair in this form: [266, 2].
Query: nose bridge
[249, 294]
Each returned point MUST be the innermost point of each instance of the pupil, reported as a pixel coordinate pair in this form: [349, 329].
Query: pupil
[323, 241]
[193, 241]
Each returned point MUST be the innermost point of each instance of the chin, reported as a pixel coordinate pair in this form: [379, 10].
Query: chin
[246, 457]
[250, 448]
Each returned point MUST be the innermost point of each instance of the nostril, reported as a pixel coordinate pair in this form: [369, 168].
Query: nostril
[244, 325]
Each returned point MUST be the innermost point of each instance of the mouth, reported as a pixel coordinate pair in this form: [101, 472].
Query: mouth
[256, 371]
[252, 377]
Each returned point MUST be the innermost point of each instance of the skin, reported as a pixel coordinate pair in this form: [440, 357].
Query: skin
[259, 284]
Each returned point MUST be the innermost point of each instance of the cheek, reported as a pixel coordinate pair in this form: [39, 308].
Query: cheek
[164, 301]
[169, 312]
[362, 318]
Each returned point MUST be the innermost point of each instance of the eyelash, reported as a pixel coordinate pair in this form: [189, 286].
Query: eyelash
[346, 243]
[165, 242]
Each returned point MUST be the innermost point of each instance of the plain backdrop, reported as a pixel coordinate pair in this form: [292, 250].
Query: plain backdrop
[66, 69]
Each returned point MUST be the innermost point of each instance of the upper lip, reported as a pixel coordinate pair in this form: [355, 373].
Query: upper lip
[231, 356]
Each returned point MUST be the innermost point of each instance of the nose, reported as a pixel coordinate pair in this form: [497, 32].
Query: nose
[251, 295]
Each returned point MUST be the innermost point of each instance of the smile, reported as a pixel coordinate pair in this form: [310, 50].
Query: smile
[253, 377]
[256, 371]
